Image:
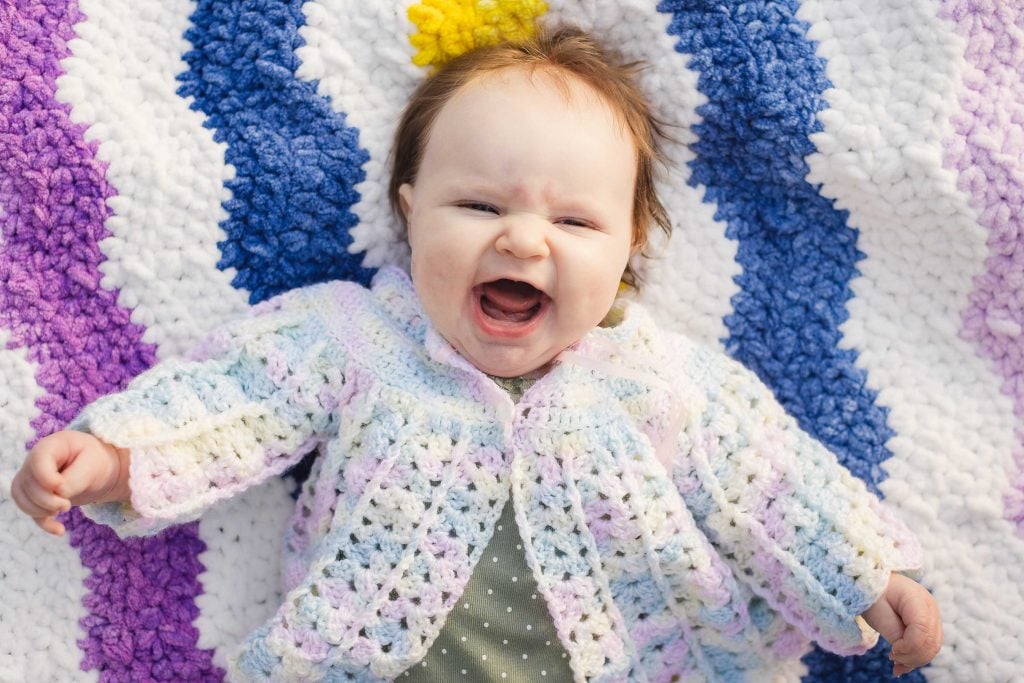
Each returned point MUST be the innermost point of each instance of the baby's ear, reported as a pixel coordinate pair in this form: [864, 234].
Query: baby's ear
[405, 200]
[639, 243]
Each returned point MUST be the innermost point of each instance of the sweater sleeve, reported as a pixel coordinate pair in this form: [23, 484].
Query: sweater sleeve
[255, 397]
[804, 534]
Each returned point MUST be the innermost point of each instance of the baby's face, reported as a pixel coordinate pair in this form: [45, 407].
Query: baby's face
[520, 220]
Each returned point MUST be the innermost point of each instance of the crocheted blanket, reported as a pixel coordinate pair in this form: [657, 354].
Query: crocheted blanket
[849, 222]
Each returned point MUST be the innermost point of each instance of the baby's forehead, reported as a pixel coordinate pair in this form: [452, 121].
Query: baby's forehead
[519, 130]
[575, 90]
[570, 85]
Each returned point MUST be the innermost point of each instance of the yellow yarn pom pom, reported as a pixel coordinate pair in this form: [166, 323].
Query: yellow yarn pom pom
[448, 28]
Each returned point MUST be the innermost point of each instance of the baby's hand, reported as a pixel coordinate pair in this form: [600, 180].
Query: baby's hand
[68, 468]
[908, 617]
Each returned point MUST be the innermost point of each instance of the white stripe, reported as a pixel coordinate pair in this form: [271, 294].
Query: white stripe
[170, 180]
[242, 581]
[168, 172]
[361, 56]
[896, 70]
[42, 584]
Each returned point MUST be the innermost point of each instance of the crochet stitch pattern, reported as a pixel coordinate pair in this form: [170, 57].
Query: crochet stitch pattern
[386, 536]
[295, 160]
[846, 207]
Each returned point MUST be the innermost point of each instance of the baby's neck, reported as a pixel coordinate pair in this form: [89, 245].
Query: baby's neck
[515, 387]
[532, 375]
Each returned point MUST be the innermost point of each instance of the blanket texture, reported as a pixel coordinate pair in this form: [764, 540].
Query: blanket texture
[848, 208]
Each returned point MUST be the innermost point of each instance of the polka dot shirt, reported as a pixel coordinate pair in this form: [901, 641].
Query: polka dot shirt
[500, 629]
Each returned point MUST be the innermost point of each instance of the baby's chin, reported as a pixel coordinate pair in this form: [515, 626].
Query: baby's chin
[510, 363]
[508, 370]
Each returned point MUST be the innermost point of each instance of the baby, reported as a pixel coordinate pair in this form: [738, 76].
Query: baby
[520, 475]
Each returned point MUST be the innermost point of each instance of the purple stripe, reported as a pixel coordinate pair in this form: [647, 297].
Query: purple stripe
[987, 150]
[53, 191]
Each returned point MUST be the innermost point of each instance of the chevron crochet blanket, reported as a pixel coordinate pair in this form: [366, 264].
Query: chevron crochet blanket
[848, 213]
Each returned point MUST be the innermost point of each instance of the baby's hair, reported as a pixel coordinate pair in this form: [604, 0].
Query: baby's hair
[566, 52]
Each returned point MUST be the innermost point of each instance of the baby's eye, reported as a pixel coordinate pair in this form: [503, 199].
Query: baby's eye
[575, 222]
[478, 206]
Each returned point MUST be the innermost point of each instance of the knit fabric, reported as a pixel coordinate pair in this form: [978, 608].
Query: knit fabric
[752, 540]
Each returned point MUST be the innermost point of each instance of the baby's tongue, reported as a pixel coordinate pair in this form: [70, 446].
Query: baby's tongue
[510, 300]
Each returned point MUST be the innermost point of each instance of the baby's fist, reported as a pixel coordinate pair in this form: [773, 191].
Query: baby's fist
[64, 469]
[908, 617]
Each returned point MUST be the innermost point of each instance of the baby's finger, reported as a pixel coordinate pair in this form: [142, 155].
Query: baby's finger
[50, 525]
[21, 499]
[43, 467]
[919, 644]
[45, 502]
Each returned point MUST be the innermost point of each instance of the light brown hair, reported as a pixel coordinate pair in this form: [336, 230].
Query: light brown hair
[566, 52]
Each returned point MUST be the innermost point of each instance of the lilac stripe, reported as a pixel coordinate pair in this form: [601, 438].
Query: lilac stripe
[53, 192]
[988, 150]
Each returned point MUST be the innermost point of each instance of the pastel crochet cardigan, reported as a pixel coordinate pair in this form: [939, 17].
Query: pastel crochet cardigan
[677, 521]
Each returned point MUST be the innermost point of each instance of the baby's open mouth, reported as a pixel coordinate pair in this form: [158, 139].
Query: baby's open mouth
[510, 301]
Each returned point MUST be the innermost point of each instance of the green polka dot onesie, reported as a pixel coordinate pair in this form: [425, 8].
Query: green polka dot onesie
[500, 630]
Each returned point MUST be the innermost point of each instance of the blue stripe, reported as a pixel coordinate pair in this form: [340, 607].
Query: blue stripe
[764, 86]
[296, 161]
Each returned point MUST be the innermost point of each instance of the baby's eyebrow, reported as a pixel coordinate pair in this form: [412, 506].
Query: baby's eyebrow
[469, 186]
[517, 192]
[562, 201]
[479, 189]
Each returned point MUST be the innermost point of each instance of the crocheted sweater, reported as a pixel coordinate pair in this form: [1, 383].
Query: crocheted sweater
[676, 519]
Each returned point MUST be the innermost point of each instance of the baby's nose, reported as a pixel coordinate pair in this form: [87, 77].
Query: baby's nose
[524, 236]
